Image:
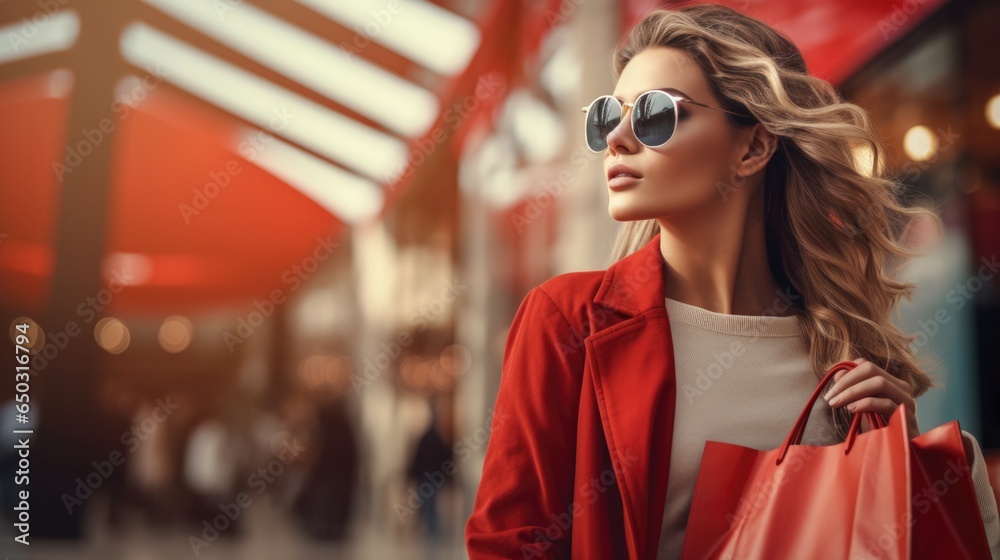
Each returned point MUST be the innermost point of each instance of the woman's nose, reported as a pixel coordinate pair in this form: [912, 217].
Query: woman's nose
[621, 139]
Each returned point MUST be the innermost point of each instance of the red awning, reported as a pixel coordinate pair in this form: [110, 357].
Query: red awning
[836, 38]
[191, 221]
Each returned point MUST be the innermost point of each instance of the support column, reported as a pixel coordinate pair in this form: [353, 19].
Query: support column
[64, 444]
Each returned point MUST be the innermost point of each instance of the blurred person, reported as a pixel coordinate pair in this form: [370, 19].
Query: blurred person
[209, 468]
[117, 406]
[152, 471]
[295, 425]
[753, 246]
[325, 501]
[428, 474]
[217, 461]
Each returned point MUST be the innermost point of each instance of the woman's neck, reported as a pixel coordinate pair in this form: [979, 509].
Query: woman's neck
[716, 259]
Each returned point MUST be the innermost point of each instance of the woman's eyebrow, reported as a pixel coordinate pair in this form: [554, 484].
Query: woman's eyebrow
[672, 90]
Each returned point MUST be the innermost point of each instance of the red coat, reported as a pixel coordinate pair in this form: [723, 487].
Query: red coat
[579, 449]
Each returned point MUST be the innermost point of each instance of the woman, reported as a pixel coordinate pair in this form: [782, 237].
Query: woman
[756, 254]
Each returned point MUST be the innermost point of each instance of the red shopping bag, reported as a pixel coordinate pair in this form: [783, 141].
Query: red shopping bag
[877, 496]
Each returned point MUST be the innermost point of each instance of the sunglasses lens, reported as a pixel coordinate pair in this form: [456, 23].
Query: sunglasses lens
[602, 117]
[655, 118]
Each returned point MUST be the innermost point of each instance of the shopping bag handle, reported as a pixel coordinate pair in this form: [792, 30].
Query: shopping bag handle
[795, 437]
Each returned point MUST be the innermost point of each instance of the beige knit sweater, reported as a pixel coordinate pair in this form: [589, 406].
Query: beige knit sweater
[743, 379]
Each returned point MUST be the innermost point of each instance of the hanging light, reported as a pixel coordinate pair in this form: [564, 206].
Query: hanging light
[993, 111]
[919, 143]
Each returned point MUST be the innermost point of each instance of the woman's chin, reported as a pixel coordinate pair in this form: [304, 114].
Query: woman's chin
[629, 212]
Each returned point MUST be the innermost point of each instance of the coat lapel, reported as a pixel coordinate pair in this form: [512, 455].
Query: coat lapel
[632, 363]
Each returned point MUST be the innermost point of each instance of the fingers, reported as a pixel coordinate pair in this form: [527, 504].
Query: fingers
[837, 376]
[869, 388]
[874, 386]
[864, 370]
[879, 405]
[859, 369]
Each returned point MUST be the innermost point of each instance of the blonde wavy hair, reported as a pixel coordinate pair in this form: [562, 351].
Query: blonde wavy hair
[834, 227]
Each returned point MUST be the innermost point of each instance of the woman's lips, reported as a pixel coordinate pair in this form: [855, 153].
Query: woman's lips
[622, 182]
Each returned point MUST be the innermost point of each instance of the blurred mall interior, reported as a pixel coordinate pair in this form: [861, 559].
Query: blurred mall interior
[267, 251]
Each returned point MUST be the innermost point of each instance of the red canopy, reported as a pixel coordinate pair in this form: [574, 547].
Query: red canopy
[192, 221]
[836, 38]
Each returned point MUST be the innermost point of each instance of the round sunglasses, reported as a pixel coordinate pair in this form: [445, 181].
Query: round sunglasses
[654, 118]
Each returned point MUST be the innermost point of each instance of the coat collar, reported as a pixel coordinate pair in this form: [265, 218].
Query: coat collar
[634, 284]
[632, 363]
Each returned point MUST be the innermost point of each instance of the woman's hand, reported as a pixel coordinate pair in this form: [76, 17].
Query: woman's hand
[869, 388]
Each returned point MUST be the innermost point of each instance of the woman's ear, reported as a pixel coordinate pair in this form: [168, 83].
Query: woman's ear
[757, 145]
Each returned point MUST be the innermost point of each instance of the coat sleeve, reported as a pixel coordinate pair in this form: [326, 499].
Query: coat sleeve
[984, 492]
[523, 507]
